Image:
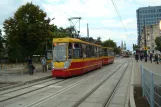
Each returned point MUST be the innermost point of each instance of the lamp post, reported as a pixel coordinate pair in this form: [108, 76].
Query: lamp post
[160, 25]
[145, 49]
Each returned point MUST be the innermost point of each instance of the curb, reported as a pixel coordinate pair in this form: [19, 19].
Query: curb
[132, 101]
[20, 84]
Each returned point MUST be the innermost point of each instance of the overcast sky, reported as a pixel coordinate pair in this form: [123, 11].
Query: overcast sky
[99, 14]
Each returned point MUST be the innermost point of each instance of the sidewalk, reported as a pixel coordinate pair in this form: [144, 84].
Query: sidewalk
[20, 74]
[156, 68]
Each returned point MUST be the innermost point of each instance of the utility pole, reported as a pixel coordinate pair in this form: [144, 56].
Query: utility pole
[87, 31]
[73, 24]
[145, 46]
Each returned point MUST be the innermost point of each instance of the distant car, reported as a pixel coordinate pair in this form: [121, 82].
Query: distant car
[117, 55]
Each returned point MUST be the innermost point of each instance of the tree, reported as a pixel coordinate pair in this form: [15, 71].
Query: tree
[27, 32]
[135, 47]
[109, 43]
[1, 44]
[1, 39]
[90, 39]
[158, 43]
[117, 50]
[98, 41]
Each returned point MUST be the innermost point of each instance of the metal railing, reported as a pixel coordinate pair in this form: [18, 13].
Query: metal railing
[151, 86]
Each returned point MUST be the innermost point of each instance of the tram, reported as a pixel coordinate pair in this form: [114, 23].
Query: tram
[125, 54]
[72, 57]
[107, 55]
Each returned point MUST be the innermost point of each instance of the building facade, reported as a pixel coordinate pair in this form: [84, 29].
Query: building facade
[151, 32]
[147, 16]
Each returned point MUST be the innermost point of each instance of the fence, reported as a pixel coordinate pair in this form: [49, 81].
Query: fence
[151, 86]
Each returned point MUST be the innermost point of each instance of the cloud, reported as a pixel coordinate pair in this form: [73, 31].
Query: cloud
[147, 2]
[8, 7]
[99, 14]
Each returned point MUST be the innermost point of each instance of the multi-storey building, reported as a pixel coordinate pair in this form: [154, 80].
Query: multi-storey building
[147, 16]
[151, 33]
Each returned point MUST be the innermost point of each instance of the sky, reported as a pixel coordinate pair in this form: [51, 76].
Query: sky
[101, 16]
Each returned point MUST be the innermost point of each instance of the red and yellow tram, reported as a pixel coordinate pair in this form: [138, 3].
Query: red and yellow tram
[74, 57]
[107, 55]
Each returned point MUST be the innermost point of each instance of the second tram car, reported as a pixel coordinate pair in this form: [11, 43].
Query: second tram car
[107, 55]
[74, 57]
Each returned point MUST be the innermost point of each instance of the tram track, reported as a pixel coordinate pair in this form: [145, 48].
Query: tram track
[95, 88]
[39, 101]
[28, 86]
[65, 89]
[106, 104]
[27, 91]
[25, 86]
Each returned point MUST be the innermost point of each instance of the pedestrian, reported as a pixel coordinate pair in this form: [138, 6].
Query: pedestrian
[137, 57]
[159, 58]
[151, 57]
[156, 58]
[141, 56]
[30, 65]
[43, 62]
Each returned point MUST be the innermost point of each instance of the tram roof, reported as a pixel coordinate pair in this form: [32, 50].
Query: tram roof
[68, 39]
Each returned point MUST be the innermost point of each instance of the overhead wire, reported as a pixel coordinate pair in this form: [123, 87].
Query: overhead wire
[116, 9]
[62, 1]
[47, 3]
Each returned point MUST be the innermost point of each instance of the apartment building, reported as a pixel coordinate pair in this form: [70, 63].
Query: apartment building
[147, 16]
[151, 33]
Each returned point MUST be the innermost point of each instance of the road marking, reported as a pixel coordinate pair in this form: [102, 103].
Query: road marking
[37, 86]
[50, 86]
[54, 86]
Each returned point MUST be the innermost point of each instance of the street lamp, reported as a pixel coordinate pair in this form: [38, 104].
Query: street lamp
[160, 25]
[145, 50]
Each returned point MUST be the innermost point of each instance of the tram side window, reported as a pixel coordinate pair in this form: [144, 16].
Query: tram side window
[105, 52]
[87, 51]
[101, 52]
[77, 50]
[112, 53]
[70, 53]
[91, 51]
[95, 51]
[109, 53]
[84, 50]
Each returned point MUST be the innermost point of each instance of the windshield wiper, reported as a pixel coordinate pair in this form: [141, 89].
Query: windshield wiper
[56, 59]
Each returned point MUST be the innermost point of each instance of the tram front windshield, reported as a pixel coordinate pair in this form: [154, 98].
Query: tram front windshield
[60, 52]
